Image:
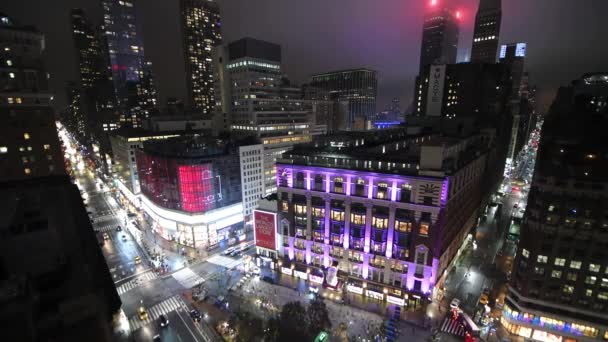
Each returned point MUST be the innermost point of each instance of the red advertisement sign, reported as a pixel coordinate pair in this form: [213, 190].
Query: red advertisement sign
[264, 224]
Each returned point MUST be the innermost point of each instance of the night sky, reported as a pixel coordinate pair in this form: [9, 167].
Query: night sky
[565, 38]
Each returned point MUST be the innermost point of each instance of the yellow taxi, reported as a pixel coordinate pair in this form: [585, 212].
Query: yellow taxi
[142, 313]
[137, 260]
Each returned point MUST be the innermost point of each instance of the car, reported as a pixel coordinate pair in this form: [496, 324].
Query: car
[163, 320]
[195, 315]
[156, 338]
[142, 313]
[268, 279]
[124, 237]
[455, 304]
[106, 236]
[137, 259]
[118, 229]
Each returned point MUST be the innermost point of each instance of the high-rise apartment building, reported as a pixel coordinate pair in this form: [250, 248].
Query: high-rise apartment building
[357, 86]
[29, 145]
[201, 31]
[559, 285]
[439, 35]
[486, 31]
[91, 100]
[255, 100]
[132, 77]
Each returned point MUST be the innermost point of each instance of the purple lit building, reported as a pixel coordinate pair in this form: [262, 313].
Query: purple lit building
[389, 211]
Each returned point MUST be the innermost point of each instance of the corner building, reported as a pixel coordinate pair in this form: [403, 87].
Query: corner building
[388, 211]
[559, 285]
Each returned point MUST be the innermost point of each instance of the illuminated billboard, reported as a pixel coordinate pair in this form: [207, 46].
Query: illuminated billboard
[265, 226]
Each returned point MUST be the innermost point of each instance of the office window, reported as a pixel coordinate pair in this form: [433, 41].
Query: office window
[590, 280]
[3, 149]
[424, 229]
[575, 264]
[594, 268]
[46, 147]
[541, 259]
[556, 274]
[571, 276]
[525, 253]
[569, 289]
[27, 171]
[560, 262]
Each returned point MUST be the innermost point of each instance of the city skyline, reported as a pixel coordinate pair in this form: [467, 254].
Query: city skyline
[319, 48]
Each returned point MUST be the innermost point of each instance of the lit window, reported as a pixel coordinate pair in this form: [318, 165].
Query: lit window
[46, 147]
[541, 259]
[575, 264]
[594, 267]
[29, 148]
[588, 293]
[18, 100]
[11, 75]
[424, 229]
[590, 280]
[3, 149]
[604, 282]
[27, 171]
[26, 136]
[525, 253]
[569, 289]
[571, 276]
[9, 62]
[556, 274]
[560, 262]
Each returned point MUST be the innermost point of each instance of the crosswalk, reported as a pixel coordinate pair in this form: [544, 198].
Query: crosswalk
[224, 261]
[139, 280]
[105, 229]
[187, 278]
[452, 326]
[155, 311]
[102, 218]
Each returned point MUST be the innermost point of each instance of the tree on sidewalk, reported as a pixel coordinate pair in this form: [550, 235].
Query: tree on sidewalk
[318, 317]
[293, 323]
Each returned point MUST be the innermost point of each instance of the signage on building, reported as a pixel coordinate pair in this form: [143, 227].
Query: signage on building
[374, 294]
[520, 50]
[315, 278]
[286, 270]
[395, 300]
[434, 99]
[300, 274]
[354, 289]
[264, 226]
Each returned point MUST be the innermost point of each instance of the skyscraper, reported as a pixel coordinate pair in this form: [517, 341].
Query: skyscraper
[439, 35]
[29, 145]
[559, 285]
[486, 31]
[201, 31]
[357, 86]
[126, 51]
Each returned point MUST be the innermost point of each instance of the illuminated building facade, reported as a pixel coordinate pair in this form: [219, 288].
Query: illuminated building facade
[559, 285]
[389, 211]
[201, 31]
[357, 86]
[486, 31]
[131, 74]
[439, 35]
[191, 189]
[29, 145]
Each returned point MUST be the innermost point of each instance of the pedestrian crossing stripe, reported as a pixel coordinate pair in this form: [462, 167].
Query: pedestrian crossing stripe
[162, 308]
[101, 218]
[133, 283]
[452, 326]
[105, 229]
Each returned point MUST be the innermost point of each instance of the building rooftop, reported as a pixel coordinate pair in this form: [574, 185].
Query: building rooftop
[196, 146]
[344, 71]
[387, 151]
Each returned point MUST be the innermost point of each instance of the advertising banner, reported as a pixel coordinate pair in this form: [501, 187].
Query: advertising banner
[434, 100]
[264, 224]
